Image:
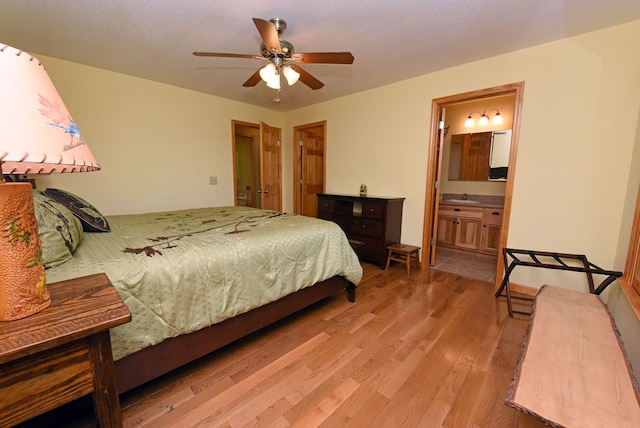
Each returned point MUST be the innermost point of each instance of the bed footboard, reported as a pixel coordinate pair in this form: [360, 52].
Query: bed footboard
[149, 363]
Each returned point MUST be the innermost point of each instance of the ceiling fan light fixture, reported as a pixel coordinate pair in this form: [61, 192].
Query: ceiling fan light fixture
[290, 74]
[267, 72]
[274, 83]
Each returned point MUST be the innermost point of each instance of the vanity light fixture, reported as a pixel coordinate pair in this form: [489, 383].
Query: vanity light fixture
[484, 119]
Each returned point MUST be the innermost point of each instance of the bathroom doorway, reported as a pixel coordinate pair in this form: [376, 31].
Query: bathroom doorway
[440, 128]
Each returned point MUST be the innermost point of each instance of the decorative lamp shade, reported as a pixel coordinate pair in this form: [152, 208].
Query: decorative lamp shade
[37, 133]
[37, 136]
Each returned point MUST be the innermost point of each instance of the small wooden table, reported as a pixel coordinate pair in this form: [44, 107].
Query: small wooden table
[63, 353]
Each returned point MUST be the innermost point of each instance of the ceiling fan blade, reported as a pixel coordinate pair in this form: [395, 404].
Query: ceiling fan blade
[307, 78]
[253, 80]
[269, 35]
[323, 58]
[227, 55]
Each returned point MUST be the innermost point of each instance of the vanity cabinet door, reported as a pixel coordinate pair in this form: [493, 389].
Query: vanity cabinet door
[491, 226]
[468, 233]
[490, 242]
[446, 231]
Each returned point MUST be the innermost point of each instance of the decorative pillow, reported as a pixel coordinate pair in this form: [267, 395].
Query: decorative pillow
[92, 220]
[59, 230]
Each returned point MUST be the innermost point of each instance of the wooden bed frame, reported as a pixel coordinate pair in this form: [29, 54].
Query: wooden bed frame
[149, 363]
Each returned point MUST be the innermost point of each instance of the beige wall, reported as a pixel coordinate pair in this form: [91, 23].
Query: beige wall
[157, 144]
[578, 130]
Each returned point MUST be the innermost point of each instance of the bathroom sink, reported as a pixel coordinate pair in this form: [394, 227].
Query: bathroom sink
[462, 201]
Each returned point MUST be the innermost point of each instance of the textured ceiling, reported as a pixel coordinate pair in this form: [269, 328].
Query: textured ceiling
[391, 41]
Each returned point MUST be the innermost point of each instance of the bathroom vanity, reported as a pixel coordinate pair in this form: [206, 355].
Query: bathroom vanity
[470, 223]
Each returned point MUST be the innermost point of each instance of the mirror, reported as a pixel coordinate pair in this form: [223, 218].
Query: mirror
[480, 156]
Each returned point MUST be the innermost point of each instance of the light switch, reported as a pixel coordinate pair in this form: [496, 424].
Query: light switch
[213, 181]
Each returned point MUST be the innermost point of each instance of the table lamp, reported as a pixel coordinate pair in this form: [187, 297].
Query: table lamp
[37, 136]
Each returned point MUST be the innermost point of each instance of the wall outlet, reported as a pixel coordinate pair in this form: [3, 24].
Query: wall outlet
[213, 181]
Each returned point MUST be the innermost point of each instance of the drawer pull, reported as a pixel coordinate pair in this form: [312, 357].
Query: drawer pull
[457, 210]
[495, 213]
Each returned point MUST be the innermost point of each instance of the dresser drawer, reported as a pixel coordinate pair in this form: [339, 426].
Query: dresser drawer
[459, 211]
[326, 205]
[372, 210]
[367, 245]
[362, 226]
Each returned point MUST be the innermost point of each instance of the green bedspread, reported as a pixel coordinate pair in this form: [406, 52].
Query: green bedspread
[181, 271]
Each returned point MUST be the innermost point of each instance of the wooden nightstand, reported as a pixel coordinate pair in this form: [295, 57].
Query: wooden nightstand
[63, 353]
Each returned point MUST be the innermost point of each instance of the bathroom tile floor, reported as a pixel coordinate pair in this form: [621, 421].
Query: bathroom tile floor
[466, 264]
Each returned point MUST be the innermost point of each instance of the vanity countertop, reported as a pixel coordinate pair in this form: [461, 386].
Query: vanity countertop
[484, 201]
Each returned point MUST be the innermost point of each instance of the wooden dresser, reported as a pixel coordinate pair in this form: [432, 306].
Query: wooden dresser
[370, 223]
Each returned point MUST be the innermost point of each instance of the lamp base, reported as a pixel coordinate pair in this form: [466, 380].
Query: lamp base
[23, 286]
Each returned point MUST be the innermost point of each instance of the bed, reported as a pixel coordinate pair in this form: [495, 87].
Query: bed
[196, 280]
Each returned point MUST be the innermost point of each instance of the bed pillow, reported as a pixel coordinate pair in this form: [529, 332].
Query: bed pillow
[92, 220]
[59, 230]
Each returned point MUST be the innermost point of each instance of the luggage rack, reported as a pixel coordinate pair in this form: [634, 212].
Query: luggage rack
[531, 258]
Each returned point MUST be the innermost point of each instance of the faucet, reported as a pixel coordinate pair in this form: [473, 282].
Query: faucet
[465, 197]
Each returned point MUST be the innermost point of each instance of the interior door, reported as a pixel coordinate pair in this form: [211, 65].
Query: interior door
[270, 191]
[309, 167]
[436, 204]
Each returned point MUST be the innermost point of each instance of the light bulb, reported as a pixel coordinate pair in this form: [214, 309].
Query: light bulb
[290, 74]
[267, 72]
[274, 81]
[469, 122]
[497, 119]
[484, 120]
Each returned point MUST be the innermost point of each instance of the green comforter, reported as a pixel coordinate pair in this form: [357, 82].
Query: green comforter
[181, 271]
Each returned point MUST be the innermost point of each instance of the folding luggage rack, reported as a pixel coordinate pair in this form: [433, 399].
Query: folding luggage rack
[557, 261]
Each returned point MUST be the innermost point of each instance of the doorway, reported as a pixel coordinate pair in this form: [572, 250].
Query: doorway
[257, 165]
[434, 170]
[309, 166]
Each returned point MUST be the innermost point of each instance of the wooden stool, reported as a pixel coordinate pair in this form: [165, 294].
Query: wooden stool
[404, 254]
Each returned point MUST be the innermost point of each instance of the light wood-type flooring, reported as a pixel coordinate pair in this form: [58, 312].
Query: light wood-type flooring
[427, 350]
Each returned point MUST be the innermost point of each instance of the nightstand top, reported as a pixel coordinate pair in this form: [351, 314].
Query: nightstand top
[79, 308]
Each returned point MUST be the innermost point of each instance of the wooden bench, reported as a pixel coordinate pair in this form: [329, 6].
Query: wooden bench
[573, 370]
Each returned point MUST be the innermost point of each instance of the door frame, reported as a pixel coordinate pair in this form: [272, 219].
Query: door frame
[297, 162]
[434, 163]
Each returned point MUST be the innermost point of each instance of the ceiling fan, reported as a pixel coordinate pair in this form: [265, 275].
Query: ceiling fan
[282, 58]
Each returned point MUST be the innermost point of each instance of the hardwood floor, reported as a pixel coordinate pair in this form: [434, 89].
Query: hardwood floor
[427, 350]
